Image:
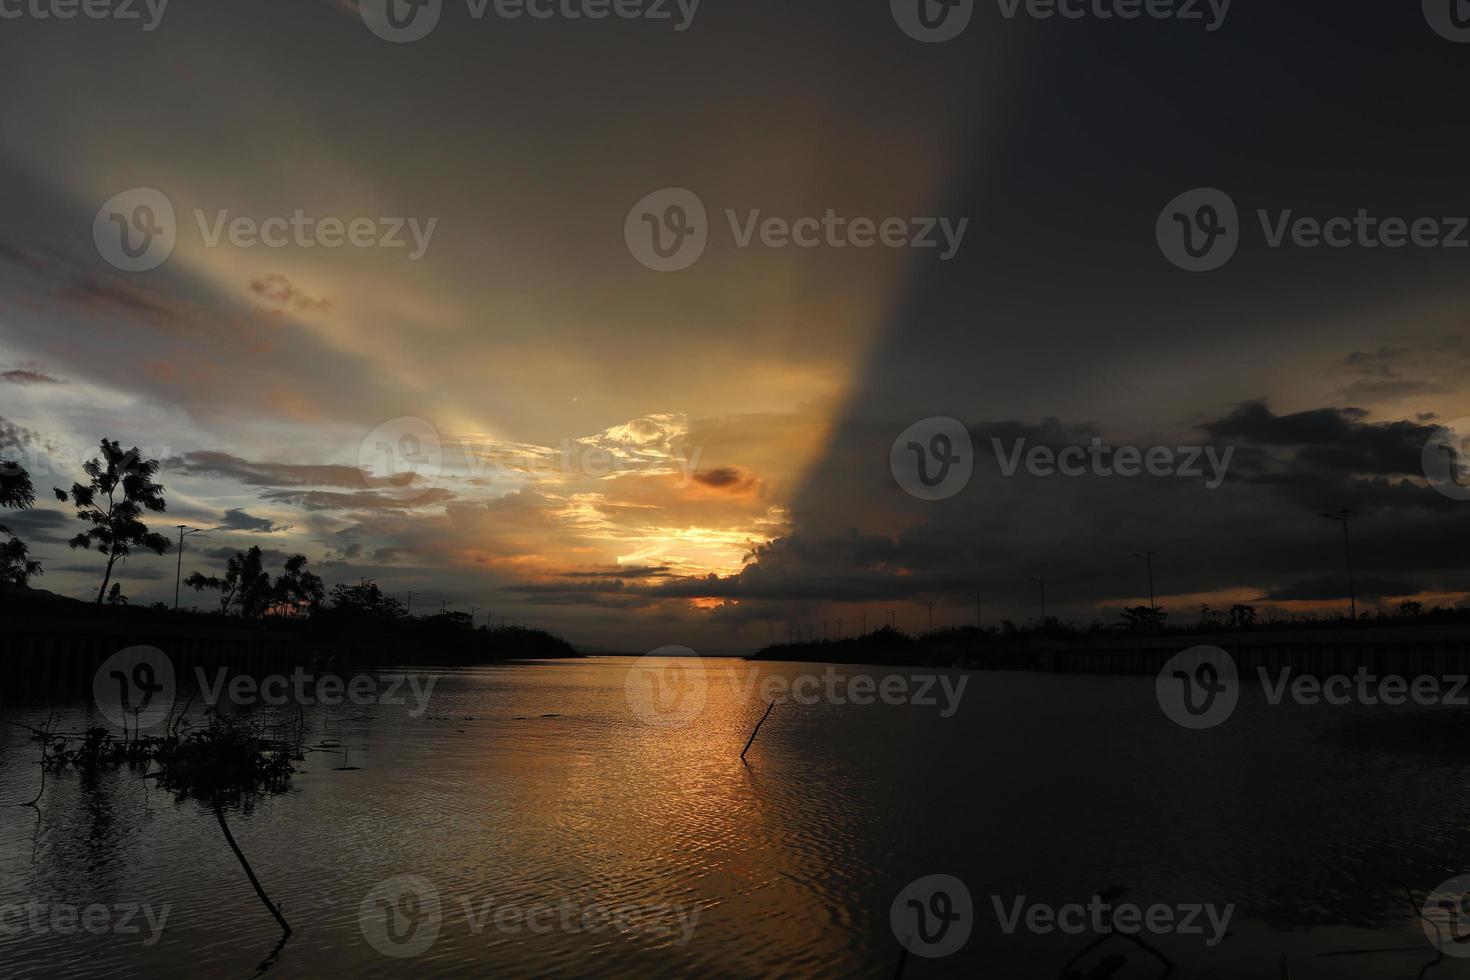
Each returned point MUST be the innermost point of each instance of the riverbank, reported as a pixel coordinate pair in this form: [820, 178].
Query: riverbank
[51, 643]
[1321, 649]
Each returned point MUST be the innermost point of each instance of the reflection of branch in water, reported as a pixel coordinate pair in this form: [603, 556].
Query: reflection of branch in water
[1117, 961]
[44, 737]
[271, 960]
[1416, 909]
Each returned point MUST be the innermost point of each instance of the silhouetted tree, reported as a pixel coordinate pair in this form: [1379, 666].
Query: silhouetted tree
[1242, 616]
[16, 493]
[1144, 617]
[1411, 608]
[245, 587]
[298, 590]
[120, 488]
[365, 599]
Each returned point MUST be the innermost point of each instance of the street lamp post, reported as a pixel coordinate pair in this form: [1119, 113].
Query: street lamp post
[184, 531]
[1041, 581]
[1342, 518]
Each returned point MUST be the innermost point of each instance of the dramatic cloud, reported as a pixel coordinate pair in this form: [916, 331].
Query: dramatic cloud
[267, 474]
[22, 376]
[236, 519]
[277, 289]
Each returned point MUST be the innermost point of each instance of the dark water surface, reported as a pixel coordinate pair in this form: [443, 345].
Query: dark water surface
[1311, 821]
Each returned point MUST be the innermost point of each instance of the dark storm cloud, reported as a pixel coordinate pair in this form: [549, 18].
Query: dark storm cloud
[236, 519]
[1259, 532]
[268, 474]
[24, 376]
[39, 525]
[360, 501]
[132, 301]
[1336, 439]
[277, 289]
[269, 556]
[17, 437]
[723, 478]
[622, 571]
[24, 258]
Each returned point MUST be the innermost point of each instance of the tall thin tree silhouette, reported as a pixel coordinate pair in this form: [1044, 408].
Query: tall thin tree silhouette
[119, 491]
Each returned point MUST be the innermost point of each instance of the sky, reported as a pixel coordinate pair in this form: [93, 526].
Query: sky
[489, 398]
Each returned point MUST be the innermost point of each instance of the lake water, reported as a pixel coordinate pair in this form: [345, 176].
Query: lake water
[639, 849]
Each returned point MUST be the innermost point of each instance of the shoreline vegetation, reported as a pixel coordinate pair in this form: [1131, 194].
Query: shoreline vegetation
[51, 642]
[1405, 641]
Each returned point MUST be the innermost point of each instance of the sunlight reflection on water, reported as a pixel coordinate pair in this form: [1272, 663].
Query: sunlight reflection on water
[1051, 787]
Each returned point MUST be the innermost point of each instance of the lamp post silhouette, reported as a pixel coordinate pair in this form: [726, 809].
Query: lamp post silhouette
[184, 531]
[1041, 581]
[930, 604]
[1342, 518]
[1148, 559]
[892, 623]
